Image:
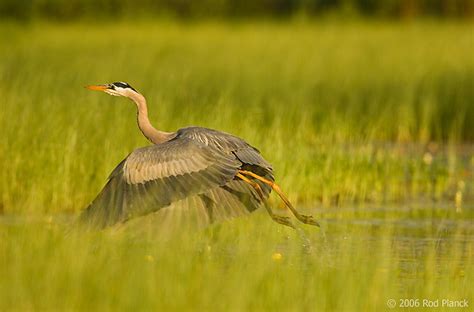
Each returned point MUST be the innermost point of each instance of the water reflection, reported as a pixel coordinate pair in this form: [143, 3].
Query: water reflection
[415, 248]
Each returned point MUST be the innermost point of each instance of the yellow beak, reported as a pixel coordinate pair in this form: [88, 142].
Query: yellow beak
[98, 87]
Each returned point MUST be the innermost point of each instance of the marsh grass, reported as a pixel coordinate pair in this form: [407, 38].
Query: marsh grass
[347, 266]
[354, 117]
[321, 102]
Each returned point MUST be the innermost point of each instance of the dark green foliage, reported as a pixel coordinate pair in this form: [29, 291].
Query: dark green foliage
[184, 9]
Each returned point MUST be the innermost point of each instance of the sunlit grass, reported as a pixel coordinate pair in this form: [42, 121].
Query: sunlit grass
[343, 112]
[354, 117]
[247, 264]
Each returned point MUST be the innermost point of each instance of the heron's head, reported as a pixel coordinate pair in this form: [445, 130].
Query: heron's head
[115, 88]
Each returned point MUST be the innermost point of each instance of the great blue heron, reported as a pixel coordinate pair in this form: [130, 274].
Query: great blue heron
[223, 174]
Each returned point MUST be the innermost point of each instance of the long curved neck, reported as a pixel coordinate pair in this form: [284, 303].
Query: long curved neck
[151, 133]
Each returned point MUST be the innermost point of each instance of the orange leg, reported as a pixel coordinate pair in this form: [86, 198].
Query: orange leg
[280, 219]
[303, 218]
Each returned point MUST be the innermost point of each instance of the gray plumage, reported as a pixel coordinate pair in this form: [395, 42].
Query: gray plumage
[197, 164]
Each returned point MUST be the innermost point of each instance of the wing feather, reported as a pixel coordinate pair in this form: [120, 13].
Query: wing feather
[153, 177]
[191, 175]
[229, 143]
[194, 212]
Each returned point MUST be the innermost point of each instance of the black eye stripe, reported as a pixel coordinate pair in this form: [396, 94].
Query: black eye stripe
[123, 85]
[120, 84]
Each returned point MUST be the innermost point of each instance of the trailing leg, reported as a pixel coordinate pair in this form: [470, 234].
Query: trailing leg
[303, 218]
[279, 219]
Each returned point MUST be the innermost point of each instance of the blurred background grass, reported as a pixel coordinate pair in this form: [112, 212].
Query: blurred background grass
[228, 9]
[351, 112]
[365, 109]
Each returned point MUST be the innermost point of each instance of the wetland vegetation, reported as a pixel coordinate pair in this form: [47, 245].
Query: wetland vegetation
[369, 126]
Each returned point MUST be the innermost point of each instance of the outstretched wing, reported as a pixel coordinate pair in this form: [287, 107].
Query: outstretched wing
[246, 153]
[153, 177]
[194, 212]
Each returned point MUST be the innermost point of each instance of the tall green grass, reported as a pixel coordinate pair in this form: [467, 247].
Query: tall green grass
[249, 264]
[354, 117]
[344, 112]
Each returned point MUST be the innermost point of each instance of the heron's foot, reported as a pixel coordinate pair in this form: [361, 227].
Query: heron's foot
[282, 220]
[307, 219]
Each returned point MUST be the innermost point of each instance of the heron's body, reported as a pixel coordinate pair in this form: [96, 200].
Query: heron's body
[219, 174]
